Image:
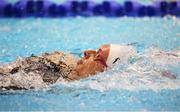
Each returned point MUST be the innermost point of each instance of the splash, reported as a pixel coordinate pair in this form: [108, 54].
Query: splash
[146, 73]
[152, 69]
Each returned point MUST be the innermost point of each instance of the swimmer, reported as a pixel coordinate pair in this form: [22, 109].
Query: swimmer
[109, 55]
[105, 57]
[57, 66]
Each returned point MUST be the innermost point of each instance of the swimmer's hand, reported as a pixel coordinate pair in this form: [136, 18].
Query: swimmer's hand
[168, 74]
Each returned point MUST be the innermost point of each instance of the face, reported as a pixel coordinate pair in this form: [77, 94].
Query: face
[92, 62]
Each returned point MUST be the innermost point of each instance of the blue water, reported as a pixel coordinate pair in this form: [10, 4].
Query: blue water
[23, 37]
[87, 99]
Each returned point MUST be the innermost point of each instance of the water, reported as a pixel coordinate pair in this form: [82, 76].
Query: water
[136, 86]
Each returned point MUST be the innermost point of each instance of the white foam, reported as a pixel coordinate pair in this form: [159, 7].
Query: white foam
[145, 74]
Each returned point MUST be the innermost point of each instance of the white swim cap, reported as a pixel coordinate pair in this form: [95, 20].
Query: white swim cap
[119, 54]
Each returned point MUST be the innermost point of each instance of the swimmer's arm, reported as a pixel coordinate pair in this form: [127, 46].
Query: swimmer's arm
[166, 73]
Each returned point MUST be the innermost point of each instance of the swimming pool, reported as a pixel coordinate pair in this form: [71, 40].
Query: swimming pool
[112, 90]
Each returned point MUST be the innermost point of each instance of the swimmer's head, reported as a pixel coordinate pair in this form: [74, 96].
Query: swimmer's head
[109, 54]
[105, 56]
[93, 61]
[89, 64]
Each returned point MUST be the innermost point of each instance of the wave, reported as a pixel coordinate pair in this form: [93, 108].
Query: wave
[154, 70]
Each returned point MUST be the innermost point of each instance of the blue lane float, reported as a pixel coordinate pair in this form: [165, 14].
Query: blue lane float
[128, 6]
[53, 10]
[30, 7]
[41, 8]
[119, 12]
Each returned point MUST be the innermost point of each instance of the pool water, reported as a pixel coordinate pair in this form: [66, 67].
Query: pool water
[125, 87]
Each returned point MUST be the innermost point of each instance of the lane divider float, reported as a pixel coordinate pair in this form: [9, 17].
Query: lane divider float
[42, 8]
